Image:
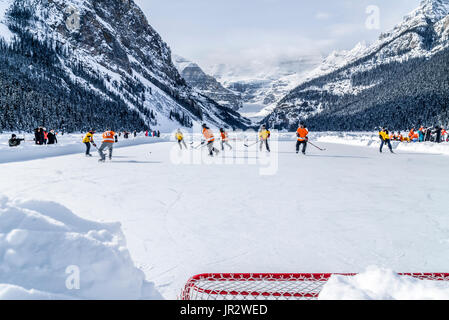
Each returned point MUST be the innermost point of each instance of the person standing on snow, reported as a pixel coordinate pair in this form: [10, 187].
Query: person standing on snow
[302, 134]
[108, 143]
[210, 139]
[36, 135]
[224, 139]
[438, 131]
[52, 139]
[89, 139]
[421, 134]
[180, 138]
[45, 133]
[428, 136]
[264, 135]
[385, 140]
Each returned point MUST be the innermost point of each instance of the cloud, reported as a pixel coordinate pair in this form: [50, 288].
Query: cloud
[345, 29]
[258, 48]
[322, 15]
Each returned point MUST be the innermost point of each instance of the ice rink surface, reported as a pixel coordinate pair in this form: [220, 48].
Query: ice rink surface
[340, 210]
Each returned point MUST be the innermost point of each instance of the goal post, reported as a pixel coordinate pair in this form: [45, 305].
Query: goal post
[269, 286]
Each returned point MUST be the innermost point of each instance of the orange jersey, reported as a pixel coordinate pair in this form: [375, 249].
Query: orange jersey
[302, 134]
[224, 136]
[208, 135]
[108, 136]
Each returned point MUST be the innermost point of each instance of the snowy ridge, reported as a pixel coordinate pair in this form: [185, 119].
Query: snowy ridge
[115, 42]
[262, 85]
[5, 33]
[206, 84]
[421, 35]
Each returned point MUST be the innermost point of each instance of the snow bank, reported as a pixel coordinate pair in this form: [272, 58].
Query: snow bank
[67, 144]
[47, 252]
[372, 140]
[383, 284]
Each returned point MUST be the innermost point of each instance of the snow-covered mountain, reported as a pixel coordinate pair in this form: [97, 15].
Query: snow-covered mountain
[206, 84]
[263, 84]
[92, 63]
[399, 80]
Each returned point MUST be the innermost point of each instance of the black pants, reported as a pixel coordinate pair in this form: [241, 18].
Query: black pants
[262, 142]
[87, 148]
[304, 146]
[385, 142]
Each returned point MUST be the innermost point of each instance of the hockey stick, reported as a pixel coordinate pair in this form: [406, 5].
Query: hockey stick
[246, 145]
[202, 145]
[316, 146]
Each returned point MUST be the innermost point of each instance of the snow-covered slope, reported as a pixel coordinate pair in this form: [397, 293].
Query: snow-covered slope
[109, 48]
[5, 33]
[404, 59]
[206, 84]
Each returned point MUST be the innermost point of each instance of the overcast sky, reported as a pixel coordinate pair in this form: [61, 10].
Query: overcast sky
[239, 31]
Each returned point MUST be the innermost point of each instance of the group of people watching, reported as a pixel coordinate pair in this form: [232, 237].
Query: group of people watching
[155, 134]
[437, 134]
[41, 137]
[44, 137]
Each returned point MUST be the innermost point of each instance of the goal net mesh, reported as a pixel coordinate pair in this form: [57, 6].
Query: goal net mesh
[232, 286]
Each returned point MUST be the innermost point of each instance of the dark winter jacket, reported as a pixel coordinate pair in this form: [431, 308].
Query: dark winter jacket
[52, 138]
[14, 142]
[438, 134]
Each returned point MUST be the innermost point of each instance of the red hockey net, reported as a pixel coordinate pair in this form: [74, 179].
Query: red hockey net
[240, 286]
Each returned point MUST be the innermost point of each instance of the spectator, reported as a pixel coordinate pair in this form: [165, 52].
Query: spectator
[428, 134]
[438, 131]
[52, 139]
[45, 133]
[37, 135]
[14, 142]
[421, 134]
[444, 135]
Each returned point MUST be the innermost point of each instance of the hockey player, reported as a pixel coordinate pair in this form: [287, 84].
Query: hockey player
[89, 139]
[264, 135]
[209, 137]
[108, 143]
[180, 138]
[385, 140]
[224, 139]
[302, 134]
